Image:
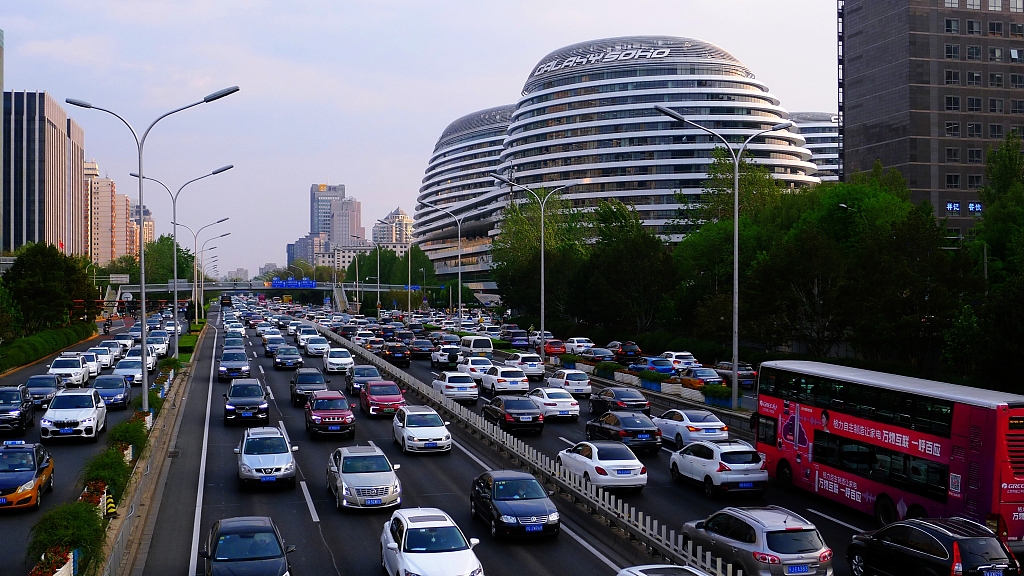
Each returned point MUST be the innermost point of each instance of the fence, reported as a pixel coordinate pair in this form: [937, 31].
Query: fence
[131, 520]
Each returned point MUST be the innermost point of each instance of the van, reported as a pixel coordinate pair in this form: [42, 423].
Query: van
[477, 346]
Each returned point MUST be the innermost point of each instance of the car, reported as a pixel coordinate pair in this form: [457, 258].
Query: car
[576, 382]
[631, 428]
[293, 326]
[246, 400]
[375, 345]
[126, 341]
[555, 403]
[427, 542]
[404, 336]
[360, 375]
[135, 332]
[624, 352]
[92, 363]
[512, 413]
[249, 545]
[159, 345]
[114, 389]
[456, 386]
[269, 333]
[720, 466]
[619, 398]
[420, 429]
[699, 377]
[747, 374]
[578, 345]
[305, 333]
[130, 369]
[317, 346]
[363, 477]
[474, 366]
[445, 357]
[43, 387]
[518, 339]
[136, 352]
[287, 357]
[304, 382]
[328, 412]
[338, 360]
[595, 355]
[381, 397]
[513, 503]
[26, 471]
[662, 570]
[74, 413]
[17, 411]
[232, 365]
[554, 348]
[397, 354]
[931, 546]
[435, 337]
[529, 363]
[604, 464]
[103, 355]
[271, 344]
[420, 348]
[536, 339]
[361, 337]
[261, 327]
[681, 360]
[684, 426]
[71, 370]
[502, 379]
[231, 333]
[264, 455]
[654, 364]
[117, 348]
[762, 540]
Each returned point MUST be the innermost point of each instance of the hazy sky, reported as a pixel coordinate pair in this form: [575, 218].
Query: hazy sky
[343, 91]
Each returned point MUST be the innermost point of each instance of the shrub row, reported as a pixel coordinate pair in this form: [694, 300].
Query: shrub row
[187, 343]
[155, 402]
[74, 525]
[41, 344]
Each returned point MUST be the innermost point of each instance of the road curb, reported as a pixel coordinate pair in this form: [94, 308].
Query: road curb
[10, 371]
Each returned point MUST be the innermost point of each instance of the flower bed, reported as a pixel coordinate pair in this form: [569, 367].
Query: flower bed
[57, 561]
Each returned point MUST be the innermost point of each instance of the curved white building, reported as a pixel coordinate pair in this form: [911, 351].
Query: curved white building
[821, 131]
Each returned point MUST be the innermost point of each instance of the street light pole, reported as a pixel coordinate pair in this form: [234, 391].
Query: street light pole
[140, 143]
[202, 276]
[202, 286]
[736, 155]
[174, 233]
[458, 228]
[195, 260]
[542, 202]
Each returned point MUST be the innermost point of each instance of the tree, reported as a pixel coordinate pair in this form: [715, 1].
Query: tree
[160, 262]
[46, 283]
[1002, 224]
[10, 316]
[129, 264]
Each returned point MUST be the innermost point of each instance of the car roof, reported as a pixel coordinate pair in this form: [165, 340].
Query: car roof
[263, 432]
[245, 523]
[245, 381]
[510, 475]
[360, 450]
[419, 409]
[771, 517]
[727, 445]
[954, 527]
[75, 391]
[307, 370]
[425, 517]
[328, 394]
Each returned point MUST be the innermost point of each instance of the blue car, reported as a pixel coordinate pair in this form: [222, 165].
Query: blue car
[518, 339]
[114, 390]
[655, 364]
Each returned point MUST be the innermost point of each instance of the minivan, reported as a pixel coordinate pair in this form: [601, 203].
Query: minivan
[477, 346]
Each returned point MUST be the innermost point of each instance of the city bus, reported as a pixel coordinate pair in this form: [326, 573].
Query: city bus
[892, 446]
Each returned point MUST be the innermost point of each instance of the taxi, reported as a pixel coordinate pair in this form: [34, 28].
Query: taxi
[26, 471]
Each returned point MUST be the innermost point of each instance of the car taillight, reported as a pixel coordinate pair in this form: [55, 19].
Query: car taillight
[620, 404]
[725, 428]
[657, 432]
[509, 418]
[764, 464]
[767, 558]
[643, 470]
[825, 556]
[540, 418]
[550, 404]
[723, 467]
[449, 387]
[693, 429]
[502, 380]
[600, 471]
[700, 381]
[958, 566]
[755, 374]
[623, 433]
[574, 404]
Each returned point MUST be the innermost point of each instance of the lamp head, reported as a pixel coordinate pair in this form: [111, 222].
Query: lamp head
[79, 103]
[220, 94]
[783, 125]
[222, 220]
[133, 174]
[671, 113]
[223, 169]
[224, 234]
[500, 178]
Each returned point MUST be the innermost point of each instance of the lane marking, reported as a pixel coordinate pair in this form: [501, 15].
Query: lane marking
[309, 501]
[193, 556]
[260, 366]
[284, 432]
[591, 549]
[269, 392]
[254, 355]
[567, 441]
[471, 455]
[836, 520]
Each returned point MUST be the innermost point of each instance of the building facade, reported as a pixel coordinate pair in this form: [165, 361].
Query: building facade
[78, 191]
[346, 221]
[396, 227]
[930, 92]
[109, 213]
[320, 198]
[238, 274]
[140, 222]
[821, 132]
[305, 248]
[339, 257]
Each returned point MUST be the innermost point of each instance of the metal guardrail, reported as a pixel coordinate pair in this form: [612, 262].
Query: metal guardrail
[654, 535]
[131, 521]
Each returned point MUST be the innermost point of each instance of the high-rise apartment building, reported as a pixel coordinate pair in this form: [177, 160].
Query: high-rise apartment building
[238, 274]
[109, 213]
[396, 228]
[42, 174]
[821, 131]
[305, 248]
[929, 87]
[320, 198]
[140, 222]
[346, 222]
[3, 157]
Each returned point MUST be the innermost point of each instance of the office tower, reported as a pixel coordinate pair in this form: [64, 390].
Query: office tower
[108, 218]
[3, 157]
[238, 274]
[397, 230]
[268, 267]
[346, 221]
[78, 193]
[821, 131]
[305, 248]
[320, 198]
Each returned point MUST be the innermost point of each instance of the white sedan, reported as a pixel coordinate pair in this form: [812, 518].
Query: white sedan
[456, 386]
[577, 345]
[92, 363]
[501, 379]
[427, 542]
[572, 381]
[685, 426]
[338, 360]
[104, 355]
[475, 367]
[529, 363]
[555, 403]
[681, 360]
[604, 463]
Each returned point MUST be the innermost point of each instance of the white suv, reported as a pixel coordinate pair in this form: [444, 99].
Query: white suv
[427, 541]
[265, 457]
[420, 429]
[71, 369]
[74, 414]
[338, 360]
[723, 466]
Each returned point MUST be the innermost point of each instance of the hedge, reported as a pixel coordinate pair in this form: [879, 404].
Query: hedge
[68, 526]
[155, 402]
[28, 349]
[109, 467]
[652, 376]
[132, 432]
[187, 343]
[712, 391]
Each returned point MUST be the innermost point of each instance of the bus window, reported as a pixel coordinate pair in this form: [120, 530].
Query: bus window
[766, 429]
[766, 382]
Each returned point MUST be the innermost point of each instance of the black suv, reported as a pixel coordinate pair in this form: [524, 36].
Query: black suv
[931, 546]
[17, 412]
[304, 383]
[397, 353]
[625, 352]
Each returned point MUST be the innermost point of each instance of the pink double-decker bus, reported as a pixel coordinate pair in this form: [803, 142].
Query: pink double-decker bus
[892, 446]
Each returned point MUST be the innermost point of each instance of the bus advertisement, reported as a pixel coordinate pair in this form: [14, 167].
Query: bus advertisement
[892, 446]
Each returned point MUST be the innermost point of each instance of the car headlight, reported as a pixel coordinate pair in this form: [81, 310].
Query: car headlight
[15, 413]
[408, 573]
[222, 369]
[289, 466]
[317, 419]
[26, 486]
[412, 439]
[478, 572]
[246, 469]
[447, 437]
[553, 517]
[508, 519]
[345, 489]
[118, 396]
[88, 420]
[245, 368]
[396, 487]
[45, 422]
[229, 406]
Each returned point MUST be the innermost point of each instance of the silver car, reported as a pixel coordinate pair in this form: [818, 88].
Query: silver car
[317, 346]
[362, 477]
[131, 369]
[265, 457]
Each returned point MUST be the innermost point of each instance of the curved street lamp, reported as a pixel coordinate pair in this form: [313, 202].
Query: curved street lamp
[458, 231]
[195, 259]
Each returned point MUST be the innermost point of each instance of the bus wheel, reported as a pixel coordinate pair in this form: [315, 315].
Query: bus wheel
[784, 475]
[916, 512]
[885, 511]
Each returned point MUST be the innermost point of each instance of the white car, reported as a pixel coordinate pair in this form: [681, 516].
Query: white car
[71, 369]
[427, 542]
[117, 348]
[420, 429]
[136, 352]
[577, 345]
[536, 340]
[528, 362]
[456, 386]
[338, 360]
[293, 327]
[361, 338]
[681, 360]
[74, 414]
[104, 355]
[317, 346]
[475, 367]
[92, 363]
[305, 334]
[572, 381]
[686, 426]
[555, 403]
[729, 466]
[502, 379]
[442, 356]
[131, 369]
[604, 463]
[158, 344]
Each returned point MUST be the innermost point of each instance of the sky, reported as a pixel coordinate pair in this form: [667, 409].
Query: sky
[352, 92]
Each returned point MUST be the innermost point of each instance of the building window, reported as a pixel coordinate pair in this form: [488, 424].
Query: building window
[952, 103]
[995, 80]
[953, 181]
[1017, 29]
[995, 5]
[1016, 80]
[995, 105]
[974, 4]
[973, 104]
[1016, 55]
[995, 131]
[1017, 6]
[952, 77]
[952, 51]
[974, 130]
[953, 129]
[1016, 106]
[974, 78]
[974, 156]
[952, 25]
[974, 52]
[1017, 129]
[995, 54]
[953, 155]
[974, 27]
[995, 28]
[953, 3]
[973, 181]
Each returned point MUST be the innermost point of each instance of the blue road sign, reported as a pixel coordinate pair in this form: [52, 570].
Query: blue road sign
[415, 286]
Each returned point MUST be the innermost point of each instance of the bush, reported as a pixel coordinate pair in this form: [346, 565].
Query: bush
[131, 432]
[170, 363]
[652, 376]
[608, 366]
[155, 402]
[69, 526]
[41, 344]
[573, 358]
[187, 344]
[719, 392]
[109, 467]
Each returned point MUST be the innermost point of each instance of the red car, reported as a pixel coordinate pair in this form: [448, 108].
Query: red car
[328, 412]
[554, 347]
[381, 397]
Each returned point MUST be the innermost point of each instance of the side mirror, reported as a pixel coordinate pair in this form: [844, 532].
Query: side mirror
[289, 549]
[327, 380]
[393, 547]
[204, 554]
[485, 495]
[225, 396]
[699, 525]
[473, 542]
[396, 467]
[295, 448]
[447, 423]
[551, 492]
[237, 451]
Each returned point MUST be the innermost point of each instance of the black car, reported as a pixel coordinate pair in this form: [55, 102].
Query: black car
[287, 357]
[598, 355]
[249, 545]
[348, 331]
[304, 383]
[397, 354]
[626, 352]
[360, 375]
[619, 398]
[633, 429]
[435, 337]
[405, 336]
[420, 348]
[931, 546]
[514, 413]
[43, 388]
[246, 400]
[416, 328]
[17, 412]
[514, 504]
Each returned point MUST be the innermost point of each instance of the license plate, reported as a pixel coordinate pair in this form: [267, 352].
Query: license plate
[710, 430]
[800, 569]
[746, 484]
[534, 528]
[388, 410]
[563, 412]
[268, 478]
[66, 430]
[334, 428]
[991, 573]
[106, 400]
[525, 418]
[531, 365]
[398, 355]
[643, 436]
[623, 472]
[3, 500]
[462, 388]
[430, 445]
[373, 501]
[246, 414]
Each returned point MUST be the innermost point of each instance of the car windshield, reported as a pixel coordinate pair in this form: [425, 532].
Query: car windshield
[309, 379]
[512, 374]
[794, 541]
[108, 383]
[331, 404]
[233, 357]
[245, 391]
[100, 351]
[275, 340]
[559, 395]
[287, 351]
[246, 546]
[64, 363]
[366, 372]
[129, 365]
[397, 349]
[701, 416]
[10, 397]
[577, 377]
[384, 390]
[744, 457]
[271, 445]
[420, 343]
[609, 453]
[17, 461]
[629, 395]
[529, 358]
[41, 382]
[89, 357]
[519, 404]
[317, 340]
[154, 340]
[71, 402]
[705, 373]
[439, 539]
[365, 464]
[635, 422]
[517, 334]
[525, 489]
[338, 353]
[423, 421]
[600, 352]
